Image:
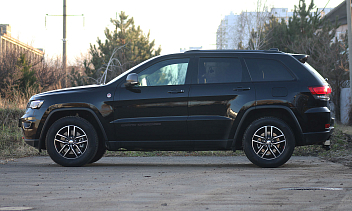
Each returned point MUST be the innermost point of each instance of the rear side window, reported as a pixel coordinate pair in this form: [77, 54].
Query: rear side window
[219, 70]
[267, 70]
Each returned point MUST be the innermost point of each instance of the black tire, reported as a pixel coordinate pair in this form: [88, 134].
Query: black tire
[72, 141]
[100, 153]
[268, 142]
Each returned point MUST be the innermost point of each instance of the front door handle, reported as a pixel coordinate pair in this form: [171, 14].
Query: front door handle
[175, 91]
[242, 89]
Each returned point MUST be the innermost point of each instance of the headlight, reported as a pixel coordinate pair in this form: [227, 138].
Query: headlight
[35, 104]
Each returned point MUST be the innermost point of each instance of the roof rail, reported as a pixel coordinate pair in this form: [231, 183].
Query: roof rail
[229, 51]
[222, 51]
[273, 49]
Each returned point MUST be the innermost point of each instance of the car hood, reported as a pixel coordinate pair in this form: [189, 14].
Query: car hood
[70, 90]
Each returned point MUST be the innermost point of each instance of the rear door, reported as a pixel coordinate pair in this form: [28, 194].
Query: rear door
[220, 92]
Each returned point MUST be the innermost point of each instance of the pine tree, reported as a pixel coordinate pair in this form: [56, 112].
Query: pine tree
[27, 79]
[133, 48]
[276, 33]
[305, 25]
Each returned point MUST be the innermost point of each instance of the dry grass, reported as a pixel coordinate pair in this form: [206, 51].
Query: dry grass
[11, 142]
[17, 104]
[18, 100]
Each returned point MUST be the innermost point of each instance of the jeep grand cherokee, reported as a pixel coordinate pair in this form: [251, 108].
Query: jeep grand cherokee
[264, 102]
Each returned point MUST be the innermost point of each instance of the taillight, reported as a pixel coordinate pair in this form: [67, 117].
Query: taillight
[321, 92]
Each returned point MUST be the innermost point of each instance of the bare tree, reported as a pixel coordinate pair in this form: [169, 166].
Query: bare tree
[221, 35]
[50, 74]
[247, 32]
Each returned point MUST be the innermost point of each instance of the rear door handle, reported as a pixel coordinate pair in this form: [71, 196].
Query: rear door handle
[242, 89]
[175, 91]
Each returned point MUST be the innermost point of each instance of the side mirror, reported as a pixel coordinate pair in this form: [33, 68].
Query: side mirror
[131, 80]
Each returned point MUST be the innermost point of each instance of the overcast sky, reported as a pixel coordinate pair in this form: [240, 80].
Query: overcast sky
[173, 24]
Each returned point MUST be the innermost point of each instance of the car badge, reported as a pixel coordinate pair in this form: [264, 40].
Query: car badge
[108, 95]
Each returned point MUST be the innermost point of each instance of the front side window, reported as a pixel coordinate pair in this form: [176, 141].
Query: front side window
[267, 70]
[219, 70]
[169, 72]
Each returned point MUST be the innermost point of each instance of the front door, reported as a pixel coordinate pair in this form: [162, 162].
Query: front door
[153, 114]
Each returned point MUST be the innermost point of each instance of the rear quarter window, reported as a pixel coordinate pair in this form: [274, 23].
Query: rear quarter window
[267, 70]
[314, 72]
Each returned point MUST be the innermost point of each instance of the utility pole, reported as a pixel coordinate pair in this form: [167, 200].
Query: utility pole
[64, 40]
[349, 28]
[64, 56]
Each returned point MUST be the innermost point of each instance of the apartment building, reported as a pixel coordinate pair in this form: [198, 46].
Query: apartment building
[8, 43]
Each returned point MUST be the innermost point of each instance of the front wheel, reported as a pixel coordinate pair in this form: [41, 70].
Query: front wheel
[72, 141]
[268, 142]
[100, 152]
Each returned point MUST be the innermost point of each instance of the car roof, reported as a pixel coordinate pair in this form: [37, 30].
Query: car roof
[273, 50]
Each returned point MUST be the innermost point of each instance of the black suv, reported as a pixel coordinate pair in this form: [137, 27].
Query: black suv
[264, 102]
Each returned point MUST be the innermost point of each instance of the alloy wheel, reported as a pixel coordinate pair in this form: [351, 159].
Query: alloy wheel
[71, 142]
[268, 142]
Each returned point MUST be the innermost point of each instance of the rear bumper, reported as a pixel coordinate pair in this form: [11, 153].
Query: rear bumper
[317, 137]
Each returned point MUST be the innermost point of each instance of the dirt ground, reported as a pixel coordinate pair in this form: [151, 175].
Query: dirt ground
[175, 183]
[345, 129]
[319, 182]
[341, 146]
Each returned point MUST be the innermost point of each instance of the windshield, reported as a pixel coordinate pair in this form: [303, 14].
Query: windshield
[128, 71]
[311, 69]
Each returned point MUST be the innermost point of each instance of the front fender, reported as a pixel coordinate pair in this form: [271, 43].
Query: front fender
[56, 113]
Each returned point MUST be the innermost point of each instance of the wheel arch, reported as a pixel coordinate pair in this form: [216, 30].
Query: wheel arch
[281, 112]
[84, 113]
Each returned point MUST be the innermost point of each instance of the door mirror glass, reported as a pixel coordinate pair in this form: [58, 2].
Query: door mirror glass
[131, 80]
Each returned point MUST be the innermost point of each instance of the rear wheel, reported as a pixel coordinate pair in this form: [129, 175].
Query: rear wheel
[268, 142]
[72, 141]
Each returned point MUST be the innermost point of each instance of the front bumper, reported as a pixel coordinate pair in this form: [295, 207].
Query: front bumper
[32, 142]
[29, 126]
